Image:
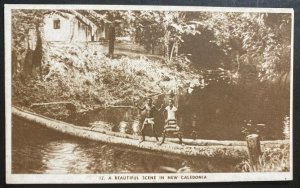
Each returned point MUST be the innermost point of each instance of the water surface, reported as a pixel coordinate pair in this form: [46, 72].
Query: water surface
[36, 149]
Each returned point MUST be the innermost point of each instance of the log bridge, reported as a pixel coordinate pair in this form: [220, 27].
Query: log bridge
[193, 148]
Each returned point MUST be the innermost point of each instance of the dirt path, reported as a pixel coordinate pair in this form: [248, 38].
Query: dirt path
[134, 52]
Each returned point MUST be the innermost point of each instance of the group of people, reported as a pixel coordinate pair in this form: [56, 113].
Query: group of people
[170, 114]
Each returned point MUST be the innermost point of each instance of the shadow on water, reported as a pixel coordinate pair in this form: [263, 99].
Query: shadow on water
[40, 150]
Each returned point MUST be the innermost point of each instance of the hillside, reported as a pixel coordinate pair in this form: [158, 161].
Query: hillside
[82, 74]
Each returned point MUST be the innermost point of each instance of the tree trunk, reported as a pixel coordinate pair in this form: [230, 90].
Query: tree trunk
[204, 148]
[254, 150]
[51, 103]
[172, 50]
[14, 62]
[235, 152]
[166, 44]
[153, 48]
[238, 64]
[38, 53]
[27, 66]
[111, 41]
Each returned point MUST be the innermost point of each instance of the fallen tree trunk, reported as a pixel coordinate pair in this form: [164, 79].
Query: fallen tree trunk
[236, 152]
[99, 106]
[187, 141]
[203, 148]
[268, 143]
[198, 142]
[50, 103]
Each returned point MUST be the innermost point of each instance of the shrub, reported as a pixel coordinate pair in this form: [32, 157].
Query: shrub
[84, 75]
[272, 160]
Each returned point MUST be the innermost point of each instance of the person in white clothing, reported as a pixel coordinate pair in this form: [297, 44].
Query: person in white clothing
[171, 121]
[171, 111]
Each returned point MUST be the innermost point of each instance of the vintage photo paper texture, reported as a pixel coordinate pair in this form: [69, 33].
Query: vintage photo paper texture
[148, 94]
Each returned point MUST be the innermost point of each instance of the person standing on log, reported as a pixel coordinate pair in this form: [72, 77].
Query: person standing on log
[150, 110]
[170, 114]
[111, 40]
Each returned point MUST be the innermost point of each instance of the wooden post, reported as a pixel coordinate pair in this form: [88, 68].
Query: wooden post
[254, 151]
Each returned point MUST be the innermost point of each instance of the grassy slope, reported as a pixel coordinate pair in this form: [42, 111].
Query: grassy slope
[82, 74]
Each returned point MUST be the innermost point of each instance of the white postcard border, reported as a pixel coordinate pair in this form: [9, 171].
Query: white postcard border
[104, 178]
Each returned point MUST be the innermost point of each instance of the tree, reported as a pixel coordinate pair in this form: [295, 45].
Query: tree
[29, 61]
[250, 39]
[111, 40]
[242, 58]
[166, 28]
[148, 30]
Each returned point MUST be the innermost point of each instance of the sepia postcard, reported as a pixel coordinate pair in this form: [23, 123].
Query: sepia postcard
[148, 94]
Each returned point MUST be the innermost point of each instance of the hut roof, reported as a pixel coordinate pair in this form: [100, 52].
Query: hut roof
[67, 13]
[85, 20]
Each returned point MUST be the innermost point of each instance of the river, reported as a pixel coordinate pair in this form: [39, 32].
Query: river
[40, 150]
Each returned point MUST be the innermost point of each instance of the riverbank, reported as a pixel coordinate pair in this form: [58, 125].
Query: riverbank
[81, 74]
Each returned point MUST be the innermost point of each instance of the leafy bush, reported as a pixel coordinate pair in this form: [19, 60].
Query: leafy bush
[272, 160]
[82, 73]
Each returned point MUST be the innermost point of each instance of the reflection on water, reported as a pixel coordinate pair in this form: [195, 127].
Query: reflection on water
[40, 150]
